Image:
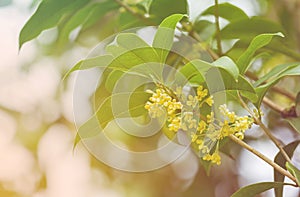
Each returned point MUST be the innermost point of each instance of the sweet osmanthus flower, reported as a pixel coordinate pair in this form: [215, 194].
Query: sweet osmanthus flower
[205, 131]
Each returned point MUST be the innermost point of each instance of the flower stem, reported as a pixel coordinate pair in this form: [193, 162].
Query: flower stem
[266, 130]
[263, 157]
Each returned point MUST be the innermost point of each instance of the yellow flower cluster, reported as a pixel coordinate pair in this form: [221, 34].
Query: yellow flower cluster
[236, 125]
[207, 131]
[161, 102]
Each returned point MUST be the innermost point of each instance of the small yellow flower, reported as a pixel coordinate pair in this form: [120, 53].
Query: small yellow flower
[175, 124]
[201, 126]
[178, 91]
[201, 93]
[207, 157]
[156, 110]
[231, 116]
[225, 130]
[192, 101]
[210, 117]
[194, 137]
[188, 121]
[193, 124]
[240, 135]
[216, 158]
[209, 101]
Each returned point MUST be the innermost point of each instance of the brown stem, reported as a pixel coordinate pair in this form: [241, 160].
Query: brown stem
[266, 130]
[273, 105]
[263, 157]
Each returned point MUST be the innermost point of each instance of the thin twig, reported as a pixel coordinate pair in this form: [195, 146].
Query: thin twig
[265, 129]
[134, 13]
[263, 157]
[218, 31]
[283, 92]
[208, 49]
[273, 105]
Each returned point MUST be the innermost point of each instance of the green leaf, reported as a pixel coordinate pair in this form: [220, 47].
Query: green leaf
[294, 171]
[270, 79]
[257, 43]
[98, 12]
[295, 123]
[130, 41]
[226, 11]
[48, 15]
[127, 20]
[76, 20]
[146, 4]
[120, 105]
[228, 64]
[161, 9]
[139, 62]
[255, 189]
[280, 160]
[217, 78]
[99, 61]
[201, 25]
[112, 78]
[164, 36]
[129, 54]
[247, 29]
[83, 15]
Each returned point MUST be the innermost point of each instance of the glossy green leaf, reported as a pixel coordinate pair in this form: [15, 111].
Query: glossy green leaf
[126, 20]
[99, 61]
[217, 78]
[247, 29]
[83, 15]
[274, 73]
[201, 25]
[295, 123]
[130, 41]
[258, 42]
[227, 11]
[294, 171]
[228, 64]
[75, 21]
[129, 51]
[48, 15]
[255, 189]
[138, 61]
[164, 36]
[280, 160]
[98, 12]
[270, 79]
[120, 105]
[161, 9]
[112, 78]
[146, 4]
